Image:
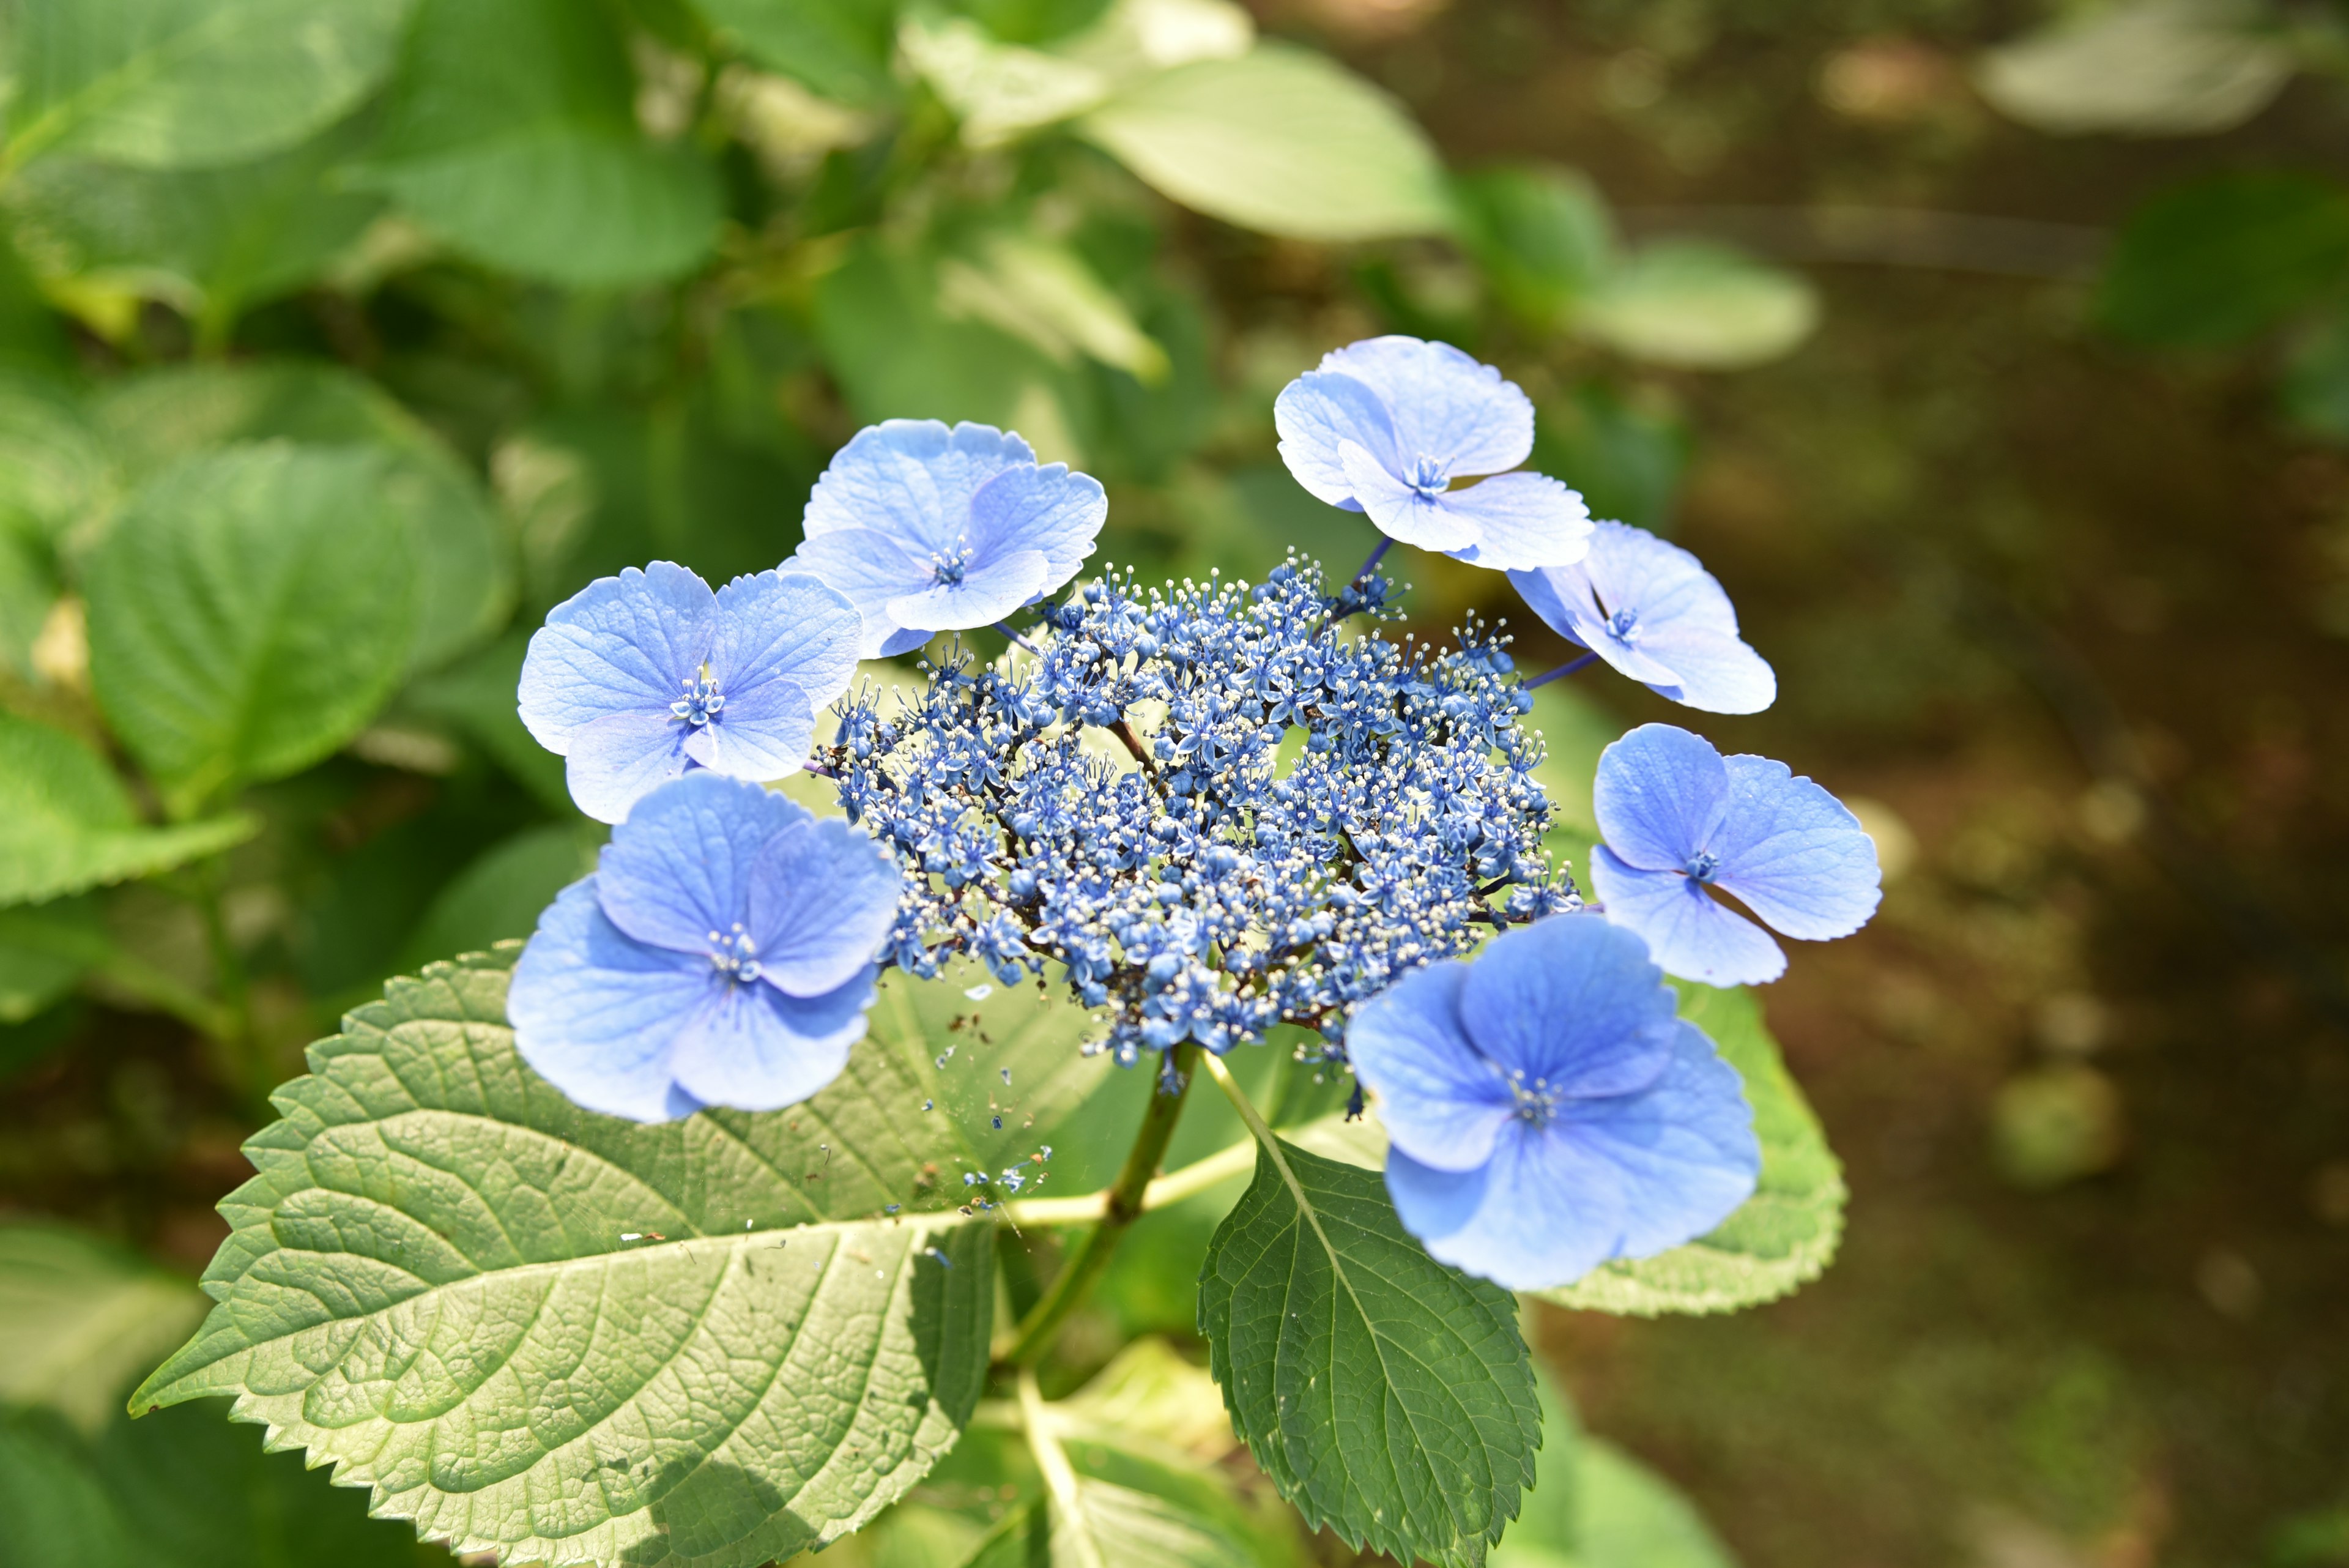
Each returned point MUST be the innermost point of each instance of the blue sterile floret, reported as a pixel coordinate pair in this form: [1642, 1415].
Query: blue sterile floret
[1208, 807]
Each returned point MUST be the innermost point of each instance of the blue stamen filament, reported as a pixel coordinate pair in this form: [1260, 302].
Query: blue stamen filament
[947, 568]
[1428, 476]
[735, 957]
[1537, 1101]
[702, 702]
[1624, 625]
[1703, 865]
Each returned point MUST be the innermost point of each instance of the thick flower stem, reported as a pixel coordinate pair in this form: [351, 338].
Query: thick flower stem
[1125, 1207]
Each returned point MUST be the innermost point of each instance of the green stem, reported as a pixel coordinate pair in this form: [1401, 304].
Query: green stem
[1060, 1476]
[1125, 1207]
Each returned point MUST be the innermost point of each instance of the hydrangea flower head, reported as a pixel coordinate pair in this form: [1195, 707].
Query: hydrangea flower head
[636, 679]
[1385, 426]
[1679, 819]
[927, 529]
[1547, 1110]
[721, 954]
[1650, 609]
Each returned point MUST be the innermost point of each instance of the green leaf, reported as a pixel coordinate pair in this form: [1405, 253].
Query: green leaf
[80, 1318]
[180, 84]
[1780, 1238]
[1542, 234]
[513, 136]
[839, 48]
[55, 469]
[998, 91]
[66, 824]
[1038, 290]
[1701, 304]
[44, 949]
[2315, 389]
[2142, 67]
[58, 1512]
[1281, 141]
[729, 1350]
[1388, 1396]
[1624, 454]
[2223, 259]
[1594, 1506]
[1107, 1525]
[249, 611]
[461, 544]
[477, 697]
[501, 895]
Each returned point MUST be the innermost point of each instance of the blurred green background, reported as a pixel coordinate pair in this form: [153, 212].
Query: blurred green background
[1995, 354]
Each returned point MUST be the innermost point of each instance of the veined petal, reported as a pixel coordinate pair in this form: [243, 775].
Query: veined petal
[868, 569]
[1560, 596]
[1048, 509]
[787, 624]
[597, 1013]
[1444, 404]
[764, 733]
[1793, 853]
[1708, 671]
[912, 480]
[1660, 795]
[1317, 412]
[1570, 1002]
[1438, 1097]
[752, 1048]
[679, 867]
[822, 895]
[619, 645]
[1683, 1148]
[1522, 520]
[1688, 932]
[1401, 512]
[984, 596]
[1682, 623]
[621, 758]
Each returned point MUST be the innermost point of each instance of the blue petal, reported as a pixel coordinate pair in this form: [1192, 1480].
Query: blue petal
[763, 732]
[1689, 932]
[1660, 794]
[1315, 414]
[1625, 1177]
[1686, 624]
[789, 625]
[619, 645]
[1438, 1097]
[985, 595]
[596, 1014]
[912, 480]
[680, 868]
[1401, 512]
[1793, 853]
[1561, 596]
[1444, 404]
[1046, 509]
[1522, 520]
[823, 895]
[621, 758]
[1571, 1002]
[755, 1049]
[868, 569]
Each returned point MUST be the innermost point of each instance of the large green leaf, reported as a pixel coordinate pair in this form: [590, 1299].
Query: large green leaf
[1542, 236]
[839, 47]
[1388, 1396]
[566, 1337]
[513, 135]
[1780, 1238]
[66, 824]
[1281, 140]
[249, 611]
[179, 84]
[2222, 259]
[1697, 304]
[81, 1319]
[2142, 67]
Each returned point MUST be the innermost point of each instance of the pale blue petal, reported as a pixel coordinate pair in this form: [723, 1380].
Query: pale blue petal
[752, 1048]
[823, 895]
[789, 625]
[984, 596]
[1401, 512]
[1438, 1097]
[1561, 597]
[1315, 414]
[1444, 404]
[763, 732]
[1046, 509]
[621, 758]
[1660, 795]
[1572, 1003]
[1522, 520]
[1685, 628]
[1688, 931]
[868, 569]
[597, 1014]
[679, 867]
[913, 480]
[619, 645]
[1793, 853]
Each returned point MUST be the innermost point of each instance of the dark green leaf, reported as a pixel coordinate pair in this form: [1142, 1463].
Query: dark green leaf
[1624, 456]
[2315, 390]
[1388, 1396]
[477, 697]
[733, 1352]
[44, 949]
[838, 47]
[2225, 258]
[1542, 234]
[501, 895]
[66, 824]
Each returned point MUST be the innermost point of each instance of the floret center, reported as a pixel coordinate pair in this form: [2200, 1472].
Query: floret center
[734, 955]
[949, 566]
[1703, 865]
[702, 700]
[1537, 1100]
[1624, 624]
[1428, 475]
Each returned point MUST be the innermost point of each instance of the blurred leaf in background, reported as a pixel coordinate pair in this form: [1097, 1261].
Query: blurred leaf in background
[2143, 67]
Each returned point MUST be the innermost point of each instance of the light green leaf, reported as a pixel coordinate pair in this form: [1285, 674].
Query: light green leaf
[2142, 67]
[1388, 1396]
[180, 83]
[1281, 140]
[1134, 37]
[1698, 304]
[463, 544]
[1780, 1238]
[730, 1350]
[81, 1319]
[513, 136]
[2222, 259]
[1107, 1525]
[249, 611]
[999, 91]
[1542, 234]
[1040, 291]
[840, 48]
[55, 469]
[66, 824]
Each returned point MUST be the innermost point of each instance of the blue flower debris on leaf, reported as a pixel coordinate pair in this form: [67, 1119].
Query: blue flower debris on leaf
[1547, 1110]
[637, 679]
[721, 954]
[1650, 609]
[1385, 426]
[927, 529]
[1679, 818]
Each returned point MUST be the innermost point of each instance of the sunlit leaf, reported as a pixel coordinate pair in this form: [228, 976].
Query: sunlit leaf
[66, 824]
[1704, 305]
[2142, 67]
[1040, 291]
[81, 1319]
[999, 91]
